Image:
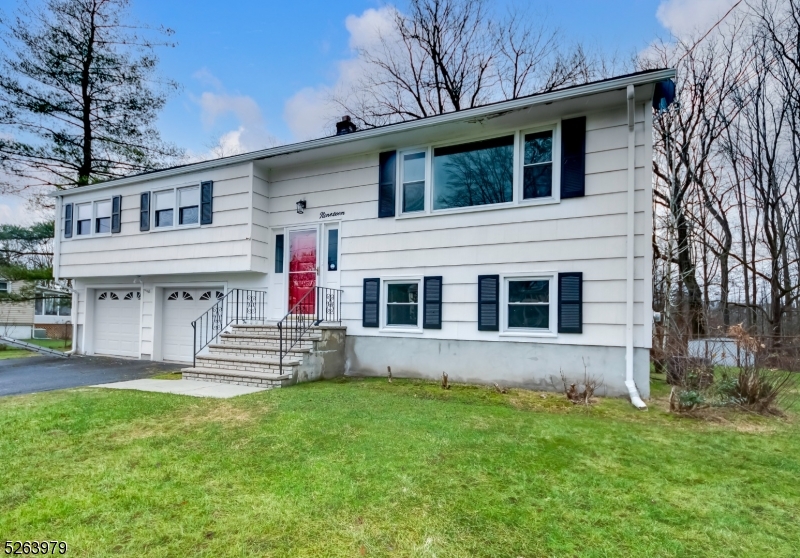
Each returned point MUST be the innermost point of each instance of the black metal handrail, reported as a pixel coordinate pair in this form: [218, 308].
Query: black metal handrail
[319, 304]
[239, 306]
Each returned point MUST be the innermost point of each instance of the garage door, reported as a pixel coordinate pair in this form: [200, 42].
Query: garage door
[181, 307]
[116, 322]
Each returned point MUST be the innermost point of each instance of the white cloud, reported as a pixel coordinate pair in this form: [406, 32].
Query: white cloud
[250, 133]
[15, 210]
[686, 17]
[310, 113]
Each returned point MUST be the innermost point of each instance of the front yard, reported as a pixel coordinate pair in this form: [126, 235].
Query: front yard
[367, 468]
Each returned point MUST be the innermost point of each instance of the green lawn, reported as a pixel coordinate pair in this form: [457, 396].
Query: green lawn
[13, 352]
[367, 468]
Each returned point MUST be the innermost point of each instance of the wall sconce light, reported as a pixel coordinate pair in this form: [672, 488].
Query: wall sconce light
[301, 205]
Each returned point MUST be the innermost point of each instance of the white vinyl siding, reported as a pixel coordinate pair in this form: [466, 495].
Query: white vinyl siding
[20, 313]
[222, 246]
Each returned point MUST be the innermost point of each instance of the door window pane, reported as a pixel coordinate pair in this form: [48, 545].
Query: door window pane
[477, 173]
[102, 217]
[538, 165]
[402, 304]
[529, 304]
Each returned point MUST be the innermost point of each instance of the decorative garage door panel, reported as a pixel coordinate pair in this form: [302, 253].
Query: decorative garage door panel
[180, 308]
[116, 322]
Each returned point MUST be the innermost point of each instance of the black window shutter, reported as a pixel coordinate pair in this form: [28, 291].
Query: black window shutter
[68, 220]
[144, 212]
[386, 183]
[206, 202]
[432, 310]
[116, 214]
[570, 302]
[573, 157]
[372, 303]
[278, 253]
[488, 302]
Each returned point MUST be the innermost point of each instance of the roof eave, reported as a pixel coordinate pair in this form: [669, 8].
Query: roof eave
[468, 114]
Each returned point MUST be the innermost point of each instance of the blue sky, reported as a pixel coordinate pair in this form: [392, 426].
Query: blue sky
[268, 51]
[254, 73]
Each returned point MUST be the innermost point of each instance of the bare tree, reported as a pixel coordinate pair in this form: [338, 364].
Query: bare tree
[449, 55]
[78, 95]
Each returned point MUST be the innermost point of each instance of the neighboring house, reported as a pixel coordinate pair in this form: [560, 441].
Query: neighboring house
[504, 243]
[51, 311]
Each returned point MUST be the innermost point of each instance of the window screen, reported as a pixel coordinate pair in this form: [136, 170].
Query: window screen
[188, 205]
[84, 218]
[102, 222]
[164, 206]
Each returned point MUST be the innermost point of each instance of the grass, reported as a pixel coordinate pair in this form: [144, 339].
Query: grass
[13, 352]
[367, 468]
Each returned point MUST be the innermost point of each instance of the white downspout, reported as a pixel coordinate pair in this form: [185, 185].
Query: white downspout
[629, 271]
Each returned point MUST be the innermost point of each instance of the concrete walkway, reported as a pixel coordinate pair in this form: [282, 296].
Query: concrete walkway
[184, 387]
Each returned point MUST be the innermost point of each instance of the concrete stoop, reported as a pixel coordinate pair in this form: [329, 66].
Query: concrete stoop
[249, 355]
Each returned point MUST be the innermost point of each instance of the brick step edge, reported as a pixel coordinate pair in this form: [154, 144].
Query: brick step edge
[249, 360]
[228, 346]
[232, 381]
[234, 374]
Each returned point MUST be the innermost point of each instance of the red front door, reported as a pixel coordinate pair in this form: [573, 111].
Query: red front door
[302, 269]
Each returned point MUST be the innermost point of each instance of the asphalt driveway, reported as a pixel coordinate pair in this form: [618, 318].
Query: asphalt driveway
[46, 373]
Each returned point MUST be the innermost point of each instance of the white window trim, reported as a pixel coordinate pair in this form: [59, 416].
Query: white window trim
[385, 282]
[519, 173]
[75, 220]
[175, 208]
[95, 217]
[552, 331]
[517, 184]
[6, 286]
[428, 150]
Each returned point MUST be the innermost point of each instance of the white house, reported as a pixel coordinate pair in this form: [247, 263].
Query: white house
[504, 243]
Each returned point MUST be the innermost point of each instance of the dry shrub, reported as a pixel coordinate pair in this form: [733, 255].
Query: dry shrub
[580, 393]
[753, 386]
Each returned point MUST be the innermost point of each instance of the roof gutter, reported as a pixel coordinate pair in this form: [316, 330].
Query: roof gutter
[468, 114]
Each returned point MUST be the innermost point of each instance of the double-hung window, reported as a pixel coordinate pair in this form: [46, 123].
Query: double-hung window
[528, 304]
[412, 169]
[102, 217]
[537, 173]
[188, 205]
[83, 219]
[3, 286]
[177, 207]
[164, 203]
[402, 303]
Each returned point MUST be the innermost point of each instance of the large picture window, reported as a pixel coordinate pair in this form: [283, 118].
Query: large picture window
[402, 303]
[538, 165]
[477, 173]
[528, 305]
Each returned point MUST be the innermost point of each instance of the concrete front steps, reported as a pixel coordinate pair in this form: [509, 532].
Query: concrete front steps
[248, 355]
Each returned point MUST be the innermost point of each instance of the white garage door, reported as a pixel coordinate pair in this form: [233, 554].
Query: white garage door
[116, 322]
[181, 307]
